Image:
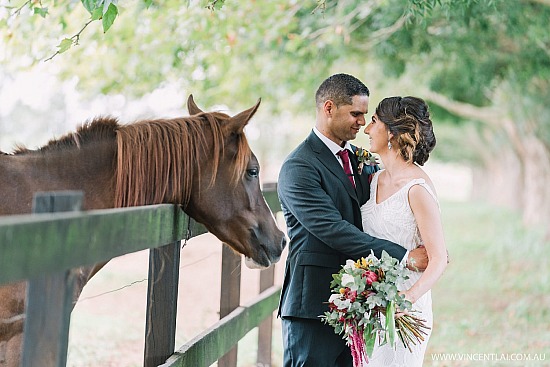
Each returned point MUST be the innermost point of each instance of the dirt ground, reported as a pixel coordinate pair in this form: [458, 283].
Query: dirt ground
[108, 323]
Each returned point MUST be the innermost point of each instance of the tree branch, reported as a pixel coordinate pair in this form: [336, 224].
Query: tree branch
[485, 115]
[344, 23]
[385, 33]
[543, 2]
[75, 39]
[321, 5]
[18, 10]
[542, 46]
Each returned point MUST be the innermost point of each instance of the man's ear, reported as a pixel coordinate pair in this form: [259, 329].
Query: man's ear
[329, 107]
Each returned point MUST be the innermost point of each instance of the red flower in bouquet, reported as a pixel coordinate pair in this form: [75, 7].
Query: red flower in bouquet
[362, 292]
[370, 276]
[351, 295]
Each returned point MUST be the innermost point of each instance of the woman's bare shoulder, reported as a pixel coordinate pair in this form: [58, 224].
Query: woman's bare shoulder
[418, 173]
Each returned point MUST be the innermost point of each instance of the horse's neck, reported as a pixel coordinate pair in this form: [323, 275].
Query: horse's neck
[89, 169]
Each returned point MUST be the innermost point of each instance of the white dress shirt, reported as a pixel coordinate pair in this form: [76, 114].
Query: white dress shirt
[335, 148]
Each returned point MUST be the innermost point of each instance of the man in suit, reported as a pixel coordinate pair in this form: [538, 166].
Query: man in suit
[321, 205]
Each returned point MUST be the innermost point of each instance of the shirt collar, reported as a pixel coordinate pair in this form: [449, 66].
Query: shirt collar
[334, 148]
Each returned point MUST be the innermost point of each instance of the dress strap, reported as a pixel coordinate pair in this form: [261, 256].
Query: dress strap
[422, 182]
[374, 184]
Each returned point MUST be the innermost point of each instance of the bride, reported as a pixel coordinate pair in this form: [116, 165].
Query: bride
[403, 208]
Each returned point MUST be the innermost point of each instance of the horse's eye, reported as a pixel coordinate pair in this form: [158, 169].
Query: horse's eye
[253, 172]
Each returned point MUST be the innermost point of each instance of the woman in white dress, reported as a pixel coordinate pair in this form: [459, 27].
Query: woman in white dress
[403, 207]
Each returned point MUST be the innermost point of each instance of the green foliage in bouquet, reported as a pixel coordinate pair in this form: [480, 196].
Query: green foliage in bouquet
[366, 292]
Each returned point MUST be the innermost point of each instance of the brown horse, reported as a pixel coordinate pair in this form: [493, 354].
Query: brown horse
[202, 162]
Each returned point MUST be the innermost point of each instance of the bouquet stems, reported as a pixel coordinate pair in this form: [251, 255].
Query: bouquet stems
[411, 329]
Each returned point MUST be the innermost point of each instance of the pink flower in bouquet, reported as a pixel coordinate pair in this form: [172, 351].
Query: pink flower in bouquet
[367, 293]
[351, 295]
[371, 276]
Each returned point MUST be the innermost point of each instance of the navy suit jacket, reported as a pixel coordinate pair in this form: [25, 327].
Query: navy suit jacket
[323, 217]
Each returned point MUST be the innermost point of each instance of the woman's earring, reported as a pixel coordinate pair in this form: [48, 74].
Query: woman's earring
[389, 144]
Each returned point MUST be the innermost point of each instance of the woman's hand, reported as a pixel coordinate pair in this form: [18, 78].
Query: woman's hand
[409, 296]
[418, 259]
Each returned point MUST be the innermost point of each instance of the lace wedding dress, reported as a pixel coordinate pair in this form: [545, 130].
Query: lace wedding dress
[393, 220]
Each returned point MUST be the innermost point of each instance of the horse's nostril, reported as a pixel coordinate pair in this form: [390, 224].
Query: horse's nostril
[283, 243]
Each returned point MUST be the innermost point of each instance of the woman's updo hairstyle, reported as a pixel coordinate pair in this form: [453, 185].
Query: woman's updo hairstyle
[408, 119]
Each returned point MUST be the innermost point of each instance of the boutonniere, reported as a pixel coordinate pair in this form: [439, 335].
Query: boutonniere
[364, 157]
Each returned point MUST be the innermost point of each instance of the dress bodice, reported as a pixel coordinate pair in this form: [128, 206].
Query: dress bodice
[393, 219]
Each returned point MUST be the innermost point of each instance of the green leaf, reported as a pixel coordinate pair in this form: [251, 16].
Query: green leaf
[370, 339]
[109, 17]
[213, 4]
[92, 5]
[390, 323]
[218, 4]
[65, 44]
[148, 3]
[41, 11]
[97, 13]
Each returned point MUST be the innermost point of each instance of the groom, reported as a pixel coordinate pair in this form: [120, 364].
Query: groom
[321, 204]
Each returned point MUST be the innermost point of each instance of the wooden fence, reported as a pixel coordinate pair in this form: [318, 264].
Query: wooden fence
[43, 248]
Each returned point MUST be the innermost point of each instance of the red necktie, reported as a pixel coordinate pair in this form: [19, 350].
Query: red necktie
[344, 155]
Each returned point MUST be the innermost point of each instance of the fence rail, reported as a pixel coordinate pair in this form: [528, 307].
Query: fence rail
[43, 246]
[36, 244]
[207, 347]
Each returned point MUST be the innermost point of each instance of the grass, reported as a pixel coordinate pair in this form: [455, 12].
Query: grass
[493, 302]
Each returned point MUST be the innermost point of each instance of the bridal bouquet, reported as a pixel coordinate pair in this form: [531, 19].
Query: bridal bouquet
[364, 291]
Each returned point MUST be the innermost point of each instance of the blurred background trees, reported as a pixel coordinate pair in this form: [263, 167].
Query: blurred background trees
[484, 67]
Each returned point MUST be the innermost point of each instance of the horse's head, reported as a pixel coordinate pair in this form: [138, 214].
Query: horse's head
[227, 198]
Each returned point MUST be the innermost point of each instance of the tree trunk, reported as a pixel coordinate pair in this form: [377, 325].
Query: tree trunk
[517, 177]
[500, 180]
[536, 163]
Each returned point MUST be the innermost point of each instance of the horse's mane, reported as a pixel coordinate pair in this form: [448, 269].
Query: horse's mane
[95, 130]
[161, 157]
[156, 157]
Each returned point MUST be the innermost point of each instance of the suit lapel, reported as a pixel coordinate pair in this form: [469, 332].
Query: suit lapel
[354, 167]
[327, 159]
[362, 186]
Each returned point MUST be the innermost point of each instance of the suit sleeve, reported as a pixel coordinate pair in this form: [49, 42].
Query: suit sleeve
[303, 194]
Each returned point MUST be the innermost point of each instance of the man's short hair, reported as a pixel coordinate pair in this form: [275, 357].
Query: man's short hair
[340, 88]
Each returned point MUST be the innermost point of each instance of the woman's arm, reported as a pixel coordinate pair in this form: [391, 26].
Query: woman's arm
[314, 204]
[428, 219]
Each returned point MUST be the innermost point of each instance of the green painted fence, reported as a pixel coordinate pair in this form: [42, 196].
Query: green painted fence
[46, 243]
[213, 343]
[44, 247]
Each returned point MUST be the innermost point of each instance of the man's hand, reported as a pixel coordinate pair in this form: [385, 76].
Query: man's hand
[418, 259]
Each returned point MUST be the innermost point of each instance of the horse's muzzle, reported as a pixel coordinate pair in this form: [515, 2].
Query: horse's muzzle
[265, 252]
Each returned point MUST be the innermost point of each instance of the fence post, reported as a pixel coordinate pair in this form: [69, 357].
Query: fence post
[50, 297]
[230, 295]
[162, 304]
[267, 280]
[265, 329]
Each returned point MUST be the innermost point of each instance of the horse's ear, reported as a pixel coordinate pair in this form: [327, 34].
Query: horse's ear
[237, 123]
[192, 107]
